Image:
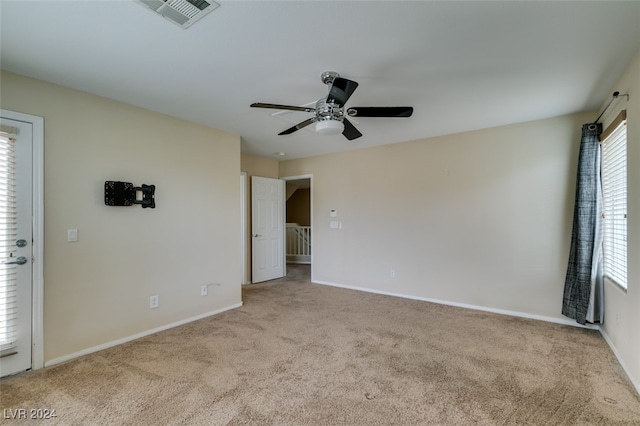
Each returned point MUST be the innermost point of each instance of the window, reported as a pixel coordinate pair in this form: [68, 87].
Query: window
[8, 220]
[614, 194]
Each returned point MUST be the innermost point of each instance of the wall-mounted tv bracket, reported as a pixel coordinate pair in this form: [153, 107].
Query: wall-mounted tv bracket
[125, 194]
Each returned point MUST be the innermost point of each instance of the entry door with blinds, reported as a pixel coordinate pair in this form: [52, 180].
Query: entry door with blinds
[16, 240]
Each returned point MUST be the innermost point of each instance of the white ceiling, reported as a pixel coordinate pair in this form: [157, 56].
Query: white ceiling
[461, 65]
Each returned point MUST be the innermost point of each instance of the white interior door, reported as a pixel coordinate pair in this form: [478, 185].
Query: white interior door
[16, 240]
[267, 229]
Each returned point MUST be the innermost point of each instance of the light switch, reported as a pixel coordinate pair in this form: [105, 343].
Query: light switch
[72, 235]
[333, 213]
[334, 224]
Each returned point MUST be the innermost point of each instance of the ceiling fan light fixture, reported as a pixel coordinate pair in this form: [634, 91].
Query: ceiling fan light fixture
[329, 127]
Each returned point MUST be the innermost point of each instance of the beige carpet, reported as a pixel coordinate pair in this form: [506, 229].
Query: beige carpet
[298, 353]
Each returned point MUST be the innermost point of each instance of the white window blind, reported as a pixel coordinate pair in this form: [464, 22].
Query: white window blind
[614, 194]
[8, 229]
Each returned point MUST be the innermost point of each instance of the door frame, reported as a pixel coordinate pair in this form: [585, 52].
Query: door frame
[243, 228]
[37, 292]
[313, 240]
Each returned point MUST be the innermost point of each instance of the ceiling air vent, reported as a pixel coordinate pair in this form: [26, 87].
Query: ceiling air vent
[181, 12]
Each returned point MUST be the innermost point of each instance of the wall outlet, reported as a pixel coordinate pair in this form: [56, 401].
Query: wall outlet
[392, 273]
[204, 290]
[154, 301]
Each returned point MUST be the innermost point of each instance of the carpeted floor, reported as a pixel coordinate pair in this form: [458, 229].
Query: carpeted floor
[303, 354]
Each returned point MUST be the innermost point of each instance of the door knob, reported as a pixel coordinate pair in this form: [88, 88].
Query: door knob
[256, 235]
[19, 261]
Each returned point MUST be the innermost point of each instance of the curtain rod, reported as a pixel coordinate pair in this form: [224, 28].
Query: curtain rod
[616, 95]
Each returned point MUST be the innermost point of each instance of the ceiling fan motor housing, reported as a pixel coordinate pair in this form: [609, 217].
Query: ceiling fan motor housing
[328, 111]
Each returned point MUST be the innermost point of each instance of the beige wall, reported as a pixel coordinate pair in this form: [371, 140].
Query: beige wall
[480, 218]
[259, 166]
[97, 290]
[254, 166]
[622, 313]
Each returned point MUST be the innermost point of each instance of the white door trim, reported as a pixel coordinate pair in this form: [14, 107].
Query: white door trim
[243, 227]
[310, 177]
[37, 320]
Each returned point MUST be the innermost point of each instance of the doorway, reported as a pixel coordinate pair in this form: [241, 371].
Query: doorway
[299, 220]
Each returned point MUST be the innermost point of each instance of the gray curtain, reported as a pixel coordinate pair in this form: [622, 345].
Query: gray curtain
[583, 287]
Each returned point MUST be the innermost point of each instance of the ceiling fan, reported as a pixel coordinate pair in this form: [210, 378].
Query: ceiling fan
[330, 114]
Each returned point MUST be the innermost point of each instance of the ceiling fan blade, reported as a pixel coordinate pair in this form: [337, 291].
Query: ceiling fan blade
[287, 107]
[380, 111]
[341, 90]
[298, 126]
[350, 132]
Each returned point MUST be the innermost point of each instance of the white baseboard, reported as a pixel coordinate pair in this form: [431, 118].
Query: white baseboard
[136, 336]
[465, 305]
[635, 383]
